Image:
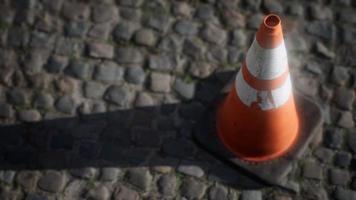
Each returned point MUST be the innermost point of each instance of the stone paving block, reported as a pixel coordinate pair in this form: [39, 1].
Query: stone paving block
[120, 95]
[312, 170]
[84, 173]
[339, 177]
[345, 194]
[109, 173]
[100, 31]
[167, 184]
[190, 168]
[160, 82]
[218, 192]
[7, 176]
[122, 192]
[315, 192]
[101, 50]
[193, 189]
[104, 13]
[145, 37]
[343, 159]
[140, 177]
[251, 195]
[52, 182]
[94, 90]
[324, 154]
[129, 55]
[99, 192]
[74, 189]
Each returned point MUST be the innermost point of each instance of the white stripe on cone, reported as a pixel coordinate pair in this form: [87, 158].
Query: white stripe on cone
[266, 64]
[266, 101]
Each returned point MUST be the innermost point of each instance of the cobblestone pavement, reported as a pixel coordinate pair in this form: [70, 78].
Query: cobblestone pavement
[98, 98]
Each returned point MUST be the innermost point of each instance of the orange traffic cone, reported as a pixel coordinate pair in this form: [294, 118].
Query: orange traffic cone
[258, 119]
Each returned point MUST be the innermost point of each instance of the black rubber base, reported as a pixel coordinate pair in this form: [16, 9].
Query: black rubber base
[273, 172]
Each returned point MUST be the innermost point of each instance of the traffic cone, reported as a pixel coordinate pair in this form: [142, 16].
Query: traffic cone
[258, 120]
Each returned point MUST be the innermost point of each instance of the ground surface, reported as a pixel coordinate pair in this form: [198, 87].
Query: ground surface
[79, 71]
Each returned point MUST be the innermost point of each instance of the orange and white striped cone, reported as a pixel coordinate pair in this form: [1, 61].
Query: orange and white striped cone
[258, 120]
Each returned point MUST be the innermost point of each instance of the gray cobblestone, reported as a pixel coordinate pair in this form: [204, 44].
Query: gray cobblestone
[6, 111]
[7, 176]
[94, 90]
[345, 194]
[35, 62]
[125, 30]
[214, 34]
[312, 170]
[43, 101]
[144, 99]
[109, 174]
[251, 195]
[85, 173]
[66, 104]
[120, 95]
[340, 75]
[351, 141]
[160, 82]
[339, 177]
[343, 159]
[201, 69]
[189, 168]
[104, 13]
[145, 37]
[100, 31]
[135, 75]
[140, 177]
[131, 3]
[80, 69]
[29, 115]
[344, 98]
[99, 193]
[193, 189]
[186, 28]
[56, 64]
[322, 29]
[324, 154]
[129, 56]
[273, 6]
[131, 14]
[182, 9]
[186, 90]
[161, 62]
[28, 179]
[52, 182]
[68, 47]
[101, 50]
[167, 184]
[76, 11]
[334, 138]
[346, 120]
[74, 189]
[218, 192]
[122, 192]
[109, 72]
[321, 12]
[77, 29]
[160, 23]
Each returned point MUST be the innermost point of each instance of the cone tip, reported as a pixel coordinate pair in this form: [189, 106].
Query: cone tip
[270, 35]
[272, 22]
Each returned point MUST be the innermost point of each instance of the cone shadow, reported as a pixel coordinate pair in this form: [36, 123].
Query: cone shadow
[149, 136]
